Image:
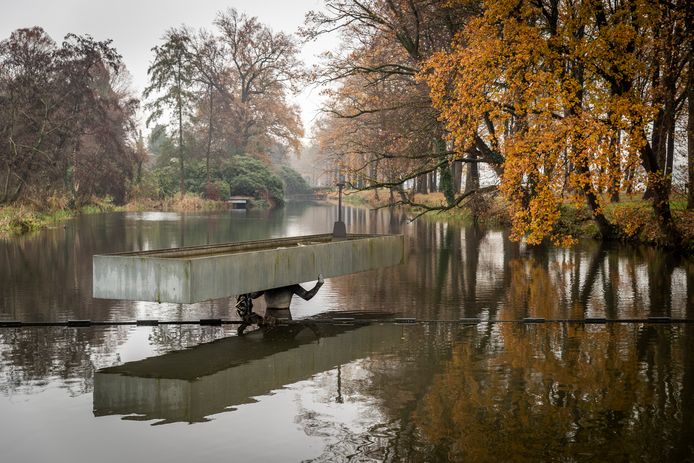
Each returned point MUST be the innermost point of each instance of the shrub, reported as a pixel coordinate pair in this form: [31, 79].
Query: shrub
[250, 177]
[294, 183]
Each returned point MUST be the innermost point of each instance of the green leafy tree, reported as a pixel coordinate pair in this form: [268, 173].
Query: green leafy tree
[170, 83]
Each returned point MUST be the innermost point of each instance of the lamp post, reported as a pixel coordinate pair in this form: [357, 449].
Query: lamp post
[339, 229]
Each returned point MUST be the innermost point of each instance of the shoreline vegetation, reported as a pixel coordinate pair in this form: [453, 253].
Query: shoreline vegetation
[21, 219]
[497, 91]
[632, 217]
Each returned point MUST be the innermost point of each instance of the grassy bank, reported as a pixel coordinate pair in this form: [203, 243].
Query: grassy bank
[19, 219]
[24, 218]
[632, 216]
[188, 202]
[493, 213]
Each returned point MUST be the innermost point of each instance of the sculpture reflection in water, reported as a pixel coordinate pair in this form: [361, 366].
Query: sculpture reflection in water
[515, 392]
[192, 384]
[441, 391]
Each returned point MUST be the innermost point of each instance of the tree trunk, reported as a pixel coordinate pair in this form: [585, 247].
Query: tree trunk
[182, 185]
[690, 132]
[209, 141]
[604, 226]
[615, 167]
[6, 187]
[447, 184]
[373, 174]
[180, 150]
[433, 187]
[457, 176]
[659, 194]
[422, 184]
[670, 153]
[472, 175]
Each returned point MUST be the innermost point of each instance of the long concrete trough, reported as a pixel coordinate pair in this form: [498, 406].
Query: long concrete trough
[194, 274]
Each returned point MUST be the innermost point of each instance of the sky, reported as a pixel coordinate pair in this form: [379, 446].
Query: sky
[137, 26]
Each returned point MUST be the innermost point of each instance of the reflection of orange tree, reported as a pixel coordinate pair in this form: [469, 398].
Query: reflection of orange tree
[556, 391]
[535, 289]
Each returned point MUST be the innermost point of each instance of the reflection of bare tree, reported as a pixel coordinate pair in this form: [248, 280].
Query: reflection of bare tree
[660, 267]
[594, 268]
[30, 358]
[177, 337]
[683, 448]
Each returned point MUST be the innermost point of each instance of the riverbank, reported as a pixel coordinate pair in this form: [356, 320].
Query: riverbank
[632, 216]
[188, 202]
[25, 218]
[21, 219]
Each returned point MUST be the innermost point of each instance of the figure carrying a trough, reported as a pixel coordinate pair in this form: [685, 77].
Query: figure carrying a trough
[277, 300]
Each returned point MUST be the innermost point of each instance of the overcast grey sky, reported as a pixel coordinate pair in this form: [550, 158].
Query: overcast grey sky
[137, 25]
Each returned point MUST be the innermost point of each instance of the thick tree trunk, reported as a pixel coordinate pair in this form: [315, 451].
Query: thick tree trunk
[457, 176]
[690, 134]
[604, 226]
[670, 154]
[659, 194]
[472, 175]
[447, 184]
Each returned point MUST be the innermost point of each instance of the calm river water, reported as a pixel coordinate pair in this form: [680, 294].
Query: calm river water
[435, 391]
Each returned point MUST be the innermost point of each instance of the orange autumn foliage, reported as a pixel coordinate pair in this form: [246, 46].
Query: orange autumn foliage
[561, 90]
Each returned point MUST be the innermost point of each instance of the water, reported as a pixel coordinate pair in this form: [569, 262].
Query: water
[435, 391]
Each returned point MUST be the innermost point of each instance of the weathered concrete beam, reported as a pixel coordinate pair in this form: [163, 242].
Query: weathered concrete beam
[194, 274]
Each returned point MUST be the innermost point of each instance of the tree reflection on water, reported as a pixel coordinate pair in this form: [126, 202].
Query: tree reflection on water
[515, 392]
[501, 391]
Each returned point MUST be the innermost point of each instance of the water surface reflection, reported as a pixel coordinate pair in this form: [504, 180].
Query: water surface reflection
[190, 385]
[421, 393]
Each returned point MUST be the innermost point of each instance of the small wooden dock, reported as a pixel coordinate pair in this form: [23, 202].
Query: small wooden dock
[239, 202]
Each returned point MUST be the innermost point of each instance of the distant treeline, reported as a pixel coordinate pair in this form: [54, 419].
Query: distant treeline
[217, 104]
